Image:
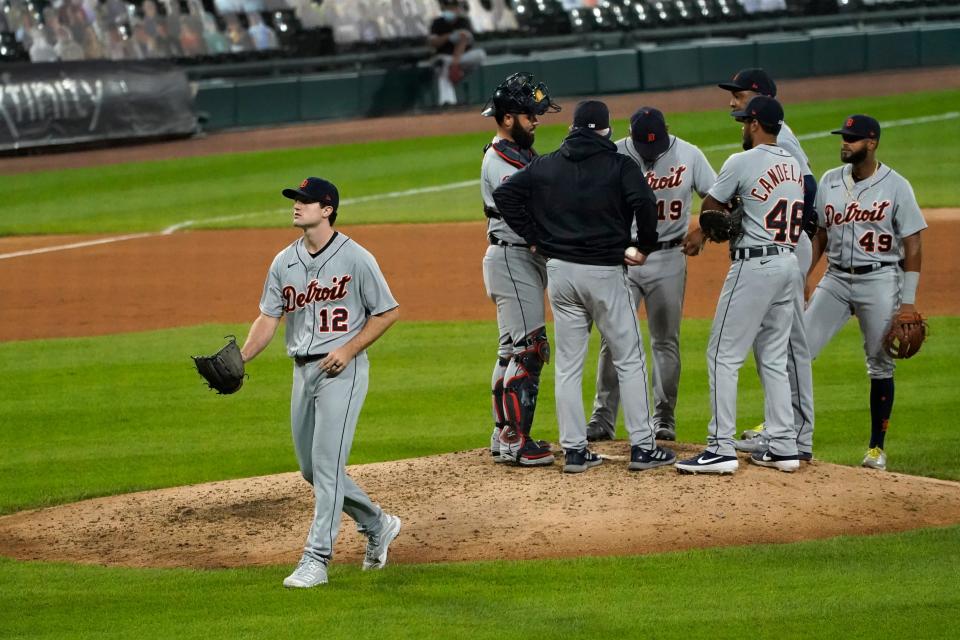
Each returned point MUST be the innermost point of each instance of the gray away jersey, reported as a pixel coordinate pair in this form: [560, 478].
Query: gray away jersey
[493, 172]
[674, 176]
[789, 142]
[326, 299]
[866, 220]
[770, 182]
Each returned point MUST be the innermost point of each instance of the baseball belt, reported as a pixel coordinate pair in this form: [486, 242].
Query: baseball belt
[759, 252]
[313, 357]
[867, 268]
[669, 244]
[503, 243]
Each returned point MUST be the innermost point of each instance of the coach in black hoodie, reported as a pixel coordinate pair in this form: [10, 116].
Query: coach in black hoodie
[578, 202]
[576, 206]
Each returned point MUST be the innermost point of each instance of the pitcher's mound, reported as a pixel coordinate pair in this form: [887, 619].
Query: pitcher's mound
[461, 506]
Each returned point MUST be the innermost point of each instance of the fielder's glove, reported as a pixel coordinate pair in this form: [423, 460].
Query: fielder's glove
[223, 370]
[722, 226]
[906, 335]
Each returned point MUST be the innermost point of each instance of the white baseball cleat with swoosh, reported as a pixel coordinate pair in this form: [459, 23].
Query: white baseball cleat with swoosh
[707, 462]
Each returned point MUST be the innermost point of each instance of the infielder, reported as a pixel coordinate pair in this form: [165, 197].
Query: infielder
[337, 303]
[761, 294]
[747, 84]
[870, 226]
[514, 277]
[575, 207]
[674, 169]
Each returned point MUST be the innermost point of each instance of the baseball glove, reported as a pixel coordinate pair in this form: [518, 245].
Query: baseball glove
[722, 226]
[906, 335]
[223, 370]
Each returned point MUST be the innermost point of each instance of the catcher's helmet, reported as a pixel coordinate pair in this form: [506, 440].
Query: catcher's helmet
[519, 94]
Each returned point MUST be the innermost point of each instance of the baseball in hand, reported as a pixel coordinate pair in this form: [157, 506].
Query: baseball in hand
[632, 252]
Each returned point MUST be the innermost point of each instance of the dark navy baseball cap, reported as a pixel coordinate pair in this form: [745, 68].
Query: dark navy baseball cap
[762, 109]
[592, 114]
[315, 190]
[860, 126]
[648, 129]
[752, 80]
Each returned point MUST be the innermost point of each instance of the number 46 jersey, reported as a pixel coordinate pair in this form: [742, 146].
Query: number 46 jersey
[866, 220]
[326, 297]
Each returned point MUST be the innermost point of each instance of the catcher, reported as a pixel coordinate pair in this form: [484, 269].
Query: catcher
[870, 226]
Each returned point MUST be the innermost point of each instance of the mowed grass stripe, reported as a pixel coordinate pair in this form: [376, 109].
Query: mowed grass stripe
[106, 415]
[887, 586]
[153, 196]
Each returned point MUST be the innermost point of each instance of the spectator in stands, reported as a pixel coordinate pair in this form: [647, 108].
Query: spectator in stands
[451, 37]
[191, 40]
[67, 48]
[41, 50]
[214, 40]
[118, 46]
[173, 18]
[263, 37]
[144, 46]
[203, 21]
[150, 17]
[93, 49]
[117, 11]
[167, 46]
[237, 36]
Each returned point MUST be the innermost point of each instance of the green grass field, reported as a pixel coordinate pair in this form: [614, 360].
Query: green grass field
[154, 195]
[100, 416]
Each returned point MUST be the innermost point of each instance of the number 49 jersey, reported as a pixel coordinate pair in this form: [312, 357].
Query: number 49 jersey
[866, 220]
[326, 298]
[769, 181]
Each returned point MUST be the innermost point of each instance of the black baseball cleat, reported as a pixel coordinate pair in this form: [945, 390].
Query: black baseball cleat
[805, 456]
[535, 454]
[666, 432]
[788, 464]
[579, 461]
[708, 462]
[597, 432]
[641, 459]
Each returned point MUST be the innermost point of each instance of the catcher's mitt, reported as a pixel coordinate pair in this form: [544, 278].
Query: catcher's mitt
[722, 226]
[223, 370]
[907, 333]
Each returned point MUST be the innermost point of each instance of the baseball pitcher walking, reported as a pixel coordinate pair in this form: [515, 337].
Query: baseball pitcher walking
[336, 303]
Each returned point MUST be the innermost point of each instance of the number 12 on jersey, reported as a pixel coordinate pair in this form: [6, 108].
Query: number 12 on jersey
[776, 220]
[333, 320]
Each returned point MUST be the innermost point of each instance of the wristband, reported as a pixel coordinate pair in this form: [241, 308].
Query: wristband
[909, 292]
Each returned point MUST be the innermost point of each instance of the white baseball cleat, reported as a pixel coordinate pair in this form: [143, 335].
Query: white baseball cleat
[875, 459]
[495, 446]
[378, 545]
[309, 573]
[749, 434]
[708, 462]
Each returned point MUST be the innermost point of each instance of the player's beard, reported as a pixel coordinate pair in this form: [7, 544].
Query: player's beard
[522, 137]
[747, 139]
[854, 158]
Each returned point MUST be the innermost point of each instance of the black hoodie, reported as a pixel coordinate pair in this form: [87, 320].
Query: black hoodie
[577, 203]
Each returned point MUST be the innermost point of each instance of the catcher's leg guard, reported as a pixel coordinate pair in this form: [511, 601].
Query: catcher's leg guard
[499, 420]
[521, 386]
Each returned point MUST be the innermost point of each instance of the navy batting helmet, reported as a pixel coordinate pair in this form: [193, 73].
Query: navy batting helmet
[519, 94]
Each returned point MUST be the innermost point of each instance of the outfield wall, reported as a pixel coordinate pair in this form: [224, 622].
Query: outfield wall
[302, 98]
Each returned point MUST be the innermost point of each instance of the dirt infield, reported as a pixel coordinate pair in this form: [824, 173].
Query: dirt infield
[162, 274]
[462, 507]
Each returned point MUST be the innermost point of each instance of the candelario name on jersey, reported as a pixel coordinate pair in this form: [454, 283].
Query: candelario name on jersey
[293, 300]
[774, 176]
